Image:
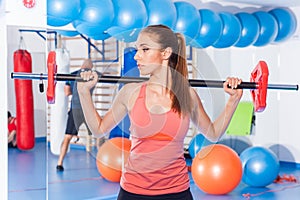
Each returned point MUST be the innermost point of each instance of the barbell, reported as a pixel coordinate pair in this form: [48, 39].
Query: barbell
[258, 84]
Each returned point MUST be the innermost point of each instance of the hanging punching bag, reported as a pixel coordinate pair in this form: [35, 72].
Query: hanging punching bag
[59, 110]
[24, 101]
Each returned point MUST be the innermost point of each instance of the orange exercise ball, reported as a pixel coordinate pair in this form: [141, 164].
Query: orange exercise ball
[112, 156]
[217, 169]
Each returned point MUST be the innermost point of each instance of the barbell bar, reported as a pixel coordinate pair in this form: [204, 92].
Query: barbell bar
[128, 79]
[258, 85]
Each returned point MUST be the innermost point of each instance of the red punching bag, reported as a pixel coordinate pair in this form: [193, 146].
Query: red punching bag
[24, 101]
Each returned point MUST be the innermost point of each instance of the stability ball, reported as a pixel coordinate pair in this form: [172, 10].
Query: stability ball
[129, 19]
[196, 144]
[62, 12]
[91, 31]
[129, 15]
[268, 28]
[250, 29]
[97, 13]
[210, 29]
[163, 12]
[260, 166]
[112, 156]
[100, 36]
[286, 21]
[217, 169]
[123, 34]
[231, 31]
[67, 33]
[188, 20]
[94, 18]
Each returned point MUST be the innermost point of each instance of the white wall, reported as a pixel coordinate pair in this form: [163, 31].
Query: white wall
[18, 15]
[289, 109]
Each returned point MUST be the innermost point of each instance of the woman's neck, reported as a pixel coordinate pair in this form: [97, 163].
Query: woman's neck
[161, 81]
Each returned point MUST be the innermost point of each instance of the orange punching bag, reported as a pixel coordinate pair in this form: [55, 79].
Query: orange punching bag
[24, 101]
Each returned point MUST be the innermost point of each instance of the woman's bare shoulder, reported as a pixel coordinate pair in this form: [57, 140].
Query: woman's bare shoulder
[129, 93]
[193, 92]
[130, 89]
[130, 86]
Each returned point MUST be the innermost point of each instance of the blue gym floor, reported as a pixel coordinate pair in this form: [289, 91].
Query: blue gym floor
[32, 176]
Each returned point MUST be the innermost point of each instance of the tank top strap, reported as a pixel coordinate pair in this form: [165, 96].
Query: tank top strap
[142, 93]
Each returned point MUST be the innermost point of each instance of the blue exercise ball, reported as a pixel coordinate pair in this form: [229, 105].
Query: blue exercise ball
[129, 15]
[231, 31]
[163, 12]
[210, 29]
[100, 36]
[123, 34]
[260, 166]
[188, 20]
[91, 31]
[286, 21]
[67, 33]
[95, 17]
[197, 143]
[268, 28]
[62, 12]
[96, 13]
[129, 19]
[237, 144]
[250, 29]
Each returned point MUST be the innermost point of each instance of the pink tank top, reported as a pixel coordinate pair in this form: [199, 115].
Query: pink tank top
[156, 164]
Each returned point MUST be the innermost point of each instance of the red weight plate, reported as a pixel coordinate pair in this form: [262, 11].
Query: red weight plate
[52, 69]
[260, 76]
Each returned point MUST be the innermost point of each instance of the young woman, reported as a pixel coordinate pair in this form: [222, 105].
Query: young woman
[12, 130]
[160, 111]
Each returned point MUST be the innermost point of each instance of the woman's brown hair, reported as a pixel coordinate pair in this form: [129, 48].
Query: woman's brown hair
[180, 91]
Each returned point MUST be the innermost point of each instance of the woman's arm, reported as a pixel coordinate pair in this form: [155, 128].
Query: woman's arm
[67, 90]
[11, 136]
[214, 130]
[97, 124]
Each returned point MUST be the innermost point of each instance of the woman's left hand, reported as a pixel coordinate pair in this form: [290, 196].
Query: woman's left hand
[230, 87]
[90, 79]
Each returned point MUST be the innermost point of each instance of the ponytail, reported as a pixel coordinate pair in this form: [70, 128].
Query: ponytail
[180, 89]
[180, 85]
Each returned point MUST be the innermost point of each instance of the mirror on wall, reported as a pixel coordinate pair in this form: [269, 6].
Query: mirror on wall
[26, 52]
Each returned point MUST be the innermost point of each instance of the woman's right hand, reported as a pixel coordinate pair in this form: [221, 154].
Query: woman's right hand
[90, 79]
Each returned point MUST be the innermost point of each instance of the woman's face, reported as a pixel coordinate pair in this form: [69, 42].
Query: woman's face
[149, 55]
[9, 119]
